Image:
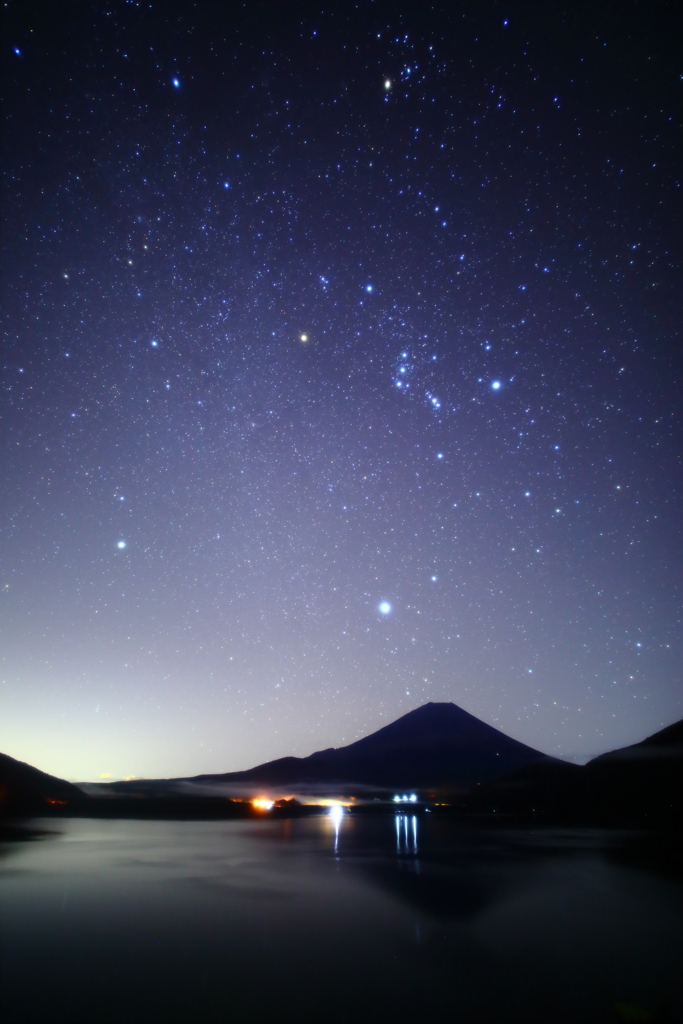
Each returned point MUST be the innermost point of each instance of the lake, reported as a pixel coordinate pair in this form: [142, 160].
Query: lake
[378, 918]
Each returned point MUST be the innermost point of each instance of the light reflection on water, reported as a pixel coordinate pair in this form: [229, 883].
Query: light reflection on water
[406, 834]
[336, 814]
[352, 918]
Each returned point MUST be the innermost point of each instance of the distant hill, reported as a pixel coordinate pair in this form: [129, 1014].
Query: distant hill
[434, 745]
[667, 743]
[642, 781]
[637, 785]
[24, 789]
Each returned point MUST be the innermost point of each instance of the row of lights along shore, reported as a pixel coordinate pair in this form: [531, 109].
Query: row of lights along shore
[263, 804]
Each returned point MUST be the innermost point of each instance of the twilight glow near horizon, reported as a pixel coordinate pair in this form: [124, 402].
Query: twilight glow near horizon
[341, 373]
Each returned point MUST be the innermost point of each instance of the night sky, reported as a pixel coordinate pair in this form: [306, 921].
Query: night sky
[341, 373]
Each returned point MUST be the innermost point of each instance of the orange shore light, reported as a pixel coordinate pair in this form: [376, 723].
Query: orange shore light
[262, 803]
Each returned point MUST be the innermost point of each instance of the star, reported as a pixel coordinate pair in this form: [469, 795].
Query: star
[274, 494]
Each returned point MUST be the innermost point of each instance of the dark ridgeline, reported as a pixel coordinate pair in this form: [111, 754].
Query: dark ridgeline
[637, 785]
[642, 781]
[27, 790]
[434, 745]
[662, 745]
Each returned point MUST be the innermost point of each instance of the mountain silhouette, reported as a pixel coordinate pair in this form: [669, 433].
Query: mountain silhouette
[643, 781]
[434, 745]
[640, 785]
[24, 789]
[667, 744]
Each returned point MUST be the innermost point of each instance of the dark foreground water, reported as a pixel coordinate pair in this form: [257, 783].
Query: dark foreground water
[382, 919]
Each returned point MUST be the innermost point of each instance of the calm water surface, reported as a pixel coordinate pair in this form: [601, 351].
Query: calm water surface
[381, 919]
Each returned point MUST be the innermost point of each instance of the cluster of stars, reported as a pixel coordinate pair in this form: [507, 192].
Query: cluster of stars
[338, 379]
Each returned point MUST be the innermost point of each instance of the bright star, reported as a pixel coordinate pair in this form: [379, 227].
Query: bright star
[387, 83]
[303, 337]
[384, 607]
[496, 385]
[369, 287]
[439, 455]
[176, 83]
[121, 545]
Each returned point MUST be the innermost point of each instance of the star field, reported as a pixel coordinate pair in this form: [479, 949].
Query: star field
[342, 350]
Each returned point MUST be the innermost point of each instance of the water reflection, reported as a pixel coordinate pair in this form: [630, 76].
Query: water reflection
[521, 927]
[336, 814]
[18, 832]
[406, 834]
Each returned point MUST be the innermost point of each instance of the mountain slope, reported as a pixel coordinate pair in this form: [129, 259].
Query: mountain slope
[643, 781]
[667, 743]
[640, 785]
[434, 745]
[24, 789]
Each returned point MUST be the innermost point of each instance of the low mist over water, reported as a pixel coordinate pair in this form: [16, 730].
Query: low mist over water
[397, 917]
